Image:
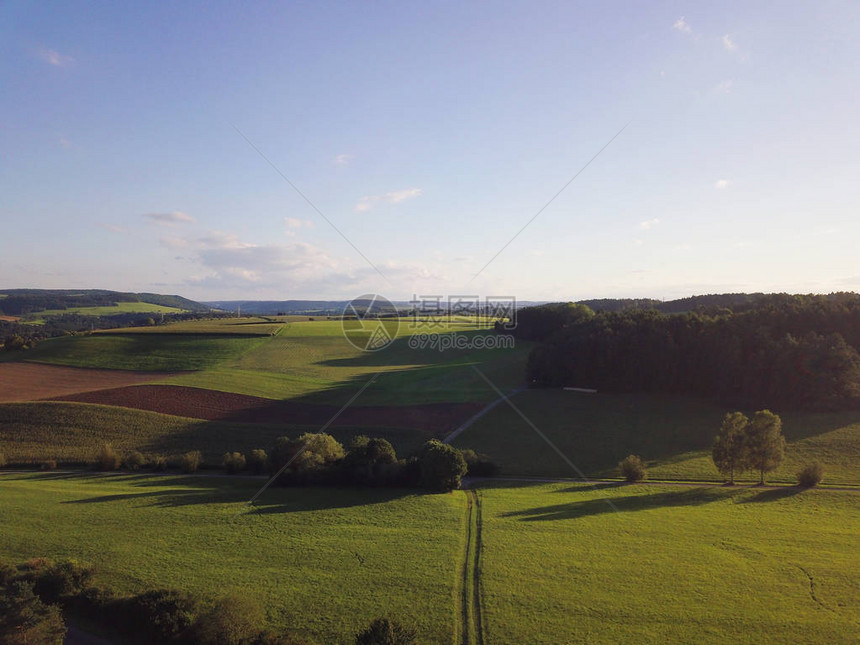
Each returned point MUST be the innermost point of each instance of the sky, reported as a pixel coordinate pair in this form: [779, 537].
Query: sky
[323, 150]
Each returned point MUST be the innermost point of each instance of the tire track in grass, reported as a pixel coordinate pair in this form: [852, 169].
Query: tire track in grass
[471, 619]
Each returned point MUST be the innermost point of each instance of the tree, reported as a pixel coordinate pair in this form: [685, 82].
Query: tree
[24, 618]
[810, 475]
[765, 443]
[108, 458]
[442, 467]
[384, 631]
[730, 448]
[233, 620]
[632, 468]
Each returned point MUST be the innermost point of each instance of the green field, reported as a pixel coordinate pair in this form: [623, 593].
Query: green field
[119, 308]
[246, 326]
[296, 553]
[672, 565]
[147, 353]
[672, 434]
[73, 433]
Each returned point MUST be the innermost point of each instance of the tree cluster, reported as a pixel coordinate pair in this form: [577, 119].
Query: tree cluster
[777, 352]
[749, 444]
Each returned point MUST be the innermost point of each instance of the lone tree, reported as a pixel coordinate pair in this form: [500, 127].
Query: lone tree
[765, 443]
[442, 466]
[730, 451]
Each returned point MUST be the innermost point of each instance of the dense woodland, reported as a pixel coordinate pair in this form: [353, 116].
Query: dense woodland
[777, 351]
[20, 302]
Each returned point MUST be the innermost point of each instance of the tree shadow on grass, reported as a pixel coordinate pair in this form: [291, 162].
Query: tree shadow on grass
[630, 503]
[773, 494]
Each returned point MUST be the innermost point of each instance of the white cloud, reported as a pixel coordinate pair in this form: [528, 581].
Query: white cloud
[292, 222]
[343, 159]
[55, 58]
[729, 44]
[368, 201]
[170, 219]
[724, 87]
[682, 25]
[722, 184]
[649, 224]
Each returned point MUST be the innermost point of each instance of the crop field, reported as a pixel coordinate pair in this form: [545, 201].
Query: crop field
[119, 308]
[323, 562]
[669, 565]
[30, 381]
[246, 326]
[73, 433]
[673, 435]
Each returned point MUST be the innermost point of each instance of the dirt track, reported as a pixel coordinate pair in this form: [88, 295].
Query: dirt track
[211, 405]
[33, 381]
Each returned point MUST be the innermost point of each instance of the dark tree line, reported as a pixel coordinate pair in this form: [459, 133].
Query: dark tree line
[782, 352]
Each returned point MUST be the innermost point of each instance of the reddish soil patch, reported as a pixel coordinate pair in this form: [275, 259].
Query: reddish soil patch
[9, 319]
[437, 418]
[31, 381]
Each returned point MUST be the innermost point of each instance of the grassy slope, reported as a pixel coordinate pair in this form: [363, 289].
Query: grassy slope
[153, 352]
[296, 553]
[674, 565]
[74, 432]
[246, 326]
[119, 308]
[672, 434]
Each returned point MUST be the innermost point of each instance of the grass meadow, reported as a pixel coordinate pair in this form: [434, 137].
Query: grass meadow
[672, 565]
[73, 433]
[673, 435]
[323, 562]
[119, 308]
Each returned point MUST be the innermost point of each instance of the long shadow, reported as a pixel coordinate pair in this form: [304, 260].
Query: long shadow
[773, 495]
[631, 503]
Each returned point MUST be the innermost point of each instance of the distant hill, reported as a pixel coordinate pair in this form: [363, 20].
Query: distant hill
[734, 301]
[318, 307]
[18, 302]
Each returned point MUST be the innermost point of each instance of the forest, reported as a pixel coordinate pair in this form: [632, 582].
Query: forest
[778, 351]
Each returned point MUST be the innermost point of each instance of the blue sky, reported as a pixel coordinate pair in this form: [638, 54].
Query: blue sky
[429, 134]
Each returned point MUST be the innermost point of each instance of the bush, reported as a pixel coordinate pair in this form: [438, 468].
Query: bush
[191, 461]
[232, 621]
[441, 466]
[158, 463]
[108, 458]
[233, 462]
[2, 460]
[479, 465]
[384, 631]
[134, 460]
[632, 468]
[49, 464]
[25, 619]
[810, 475]
[158, 616]
[257, 461]
[59, 581]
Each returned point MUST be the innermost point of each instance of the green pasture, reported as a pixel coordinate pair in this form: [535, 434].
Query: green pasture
[73, 433]
[669, 565]
[245, 326]
[323, 562]
[673, 435]
[118, 308]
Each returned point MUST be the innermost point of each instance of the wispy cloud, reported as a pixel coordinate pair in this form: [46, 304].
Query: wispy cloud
[729, 44]
[343, 159]
[724, 87]
[292, 222]
[55, 58]
[722, 184]
[170, 219]
[368, 201]
[682, 25]
[65, 143]
[111, 227]
[649, 224]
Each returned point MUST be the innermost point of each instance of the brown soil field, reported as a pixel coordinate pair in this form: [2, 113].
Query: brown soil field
[437, 418]
[9, 318]
[32, 381]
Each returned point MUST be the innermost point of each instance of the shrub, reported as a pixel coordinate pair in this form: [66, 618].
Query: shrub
[257, 461]
[49, 464]
[25, 619]
[134, 460]
[632, 468]
[7, 573]
[191, 461]
[384, 631]
[810, 475]
[233, 462]
[479, 465]
[232, 621]
[158, 616]
[108, 458]
[59, 581]
[158, 463]
[2, 460]
[441, 466]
